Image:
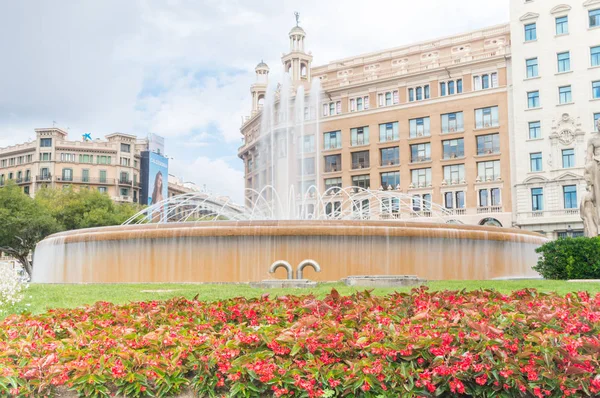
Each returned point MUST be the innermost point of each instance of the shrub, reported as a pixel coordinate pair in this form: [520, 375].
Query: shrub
[570, 258]
[422, 344]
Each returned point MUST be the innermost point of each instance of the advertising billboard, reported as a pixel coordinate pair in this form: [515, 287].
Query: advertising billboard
[155, 180]
[156, 143]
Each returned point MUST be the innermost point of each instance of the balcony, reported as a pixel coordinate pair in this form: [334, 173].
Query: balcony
[23, 180]
[489, 209]
[123, 181]
[44, 178]
[457, 212]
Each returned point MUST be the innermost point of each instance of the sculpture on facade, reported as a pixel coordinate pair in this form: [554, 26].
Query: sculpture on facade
[589, 209]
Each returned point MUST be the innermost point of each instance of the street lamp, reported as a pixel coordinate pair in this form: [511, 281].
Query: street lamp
[569, 231]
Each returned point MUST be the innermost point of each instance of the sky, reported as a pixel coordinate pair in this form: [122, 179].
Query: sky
[183, 69]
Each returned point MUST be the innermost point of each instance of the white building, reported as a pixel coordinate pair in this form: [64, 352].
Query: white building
[555, 102]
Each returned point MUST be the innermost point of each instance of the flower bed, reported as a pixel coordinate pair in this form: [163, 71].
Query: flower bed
[420, 344]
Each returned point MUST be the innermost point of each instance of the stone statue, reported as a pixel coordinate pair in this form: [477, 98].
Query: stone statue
[589, 209]
[297, 14]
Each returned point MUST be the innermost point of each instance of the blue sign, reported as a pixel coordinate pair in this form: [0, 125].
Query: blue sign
[87, 136]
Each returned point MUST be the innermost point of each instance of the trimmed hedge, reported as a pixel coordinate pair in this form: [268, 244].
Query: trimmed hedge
[570, 258]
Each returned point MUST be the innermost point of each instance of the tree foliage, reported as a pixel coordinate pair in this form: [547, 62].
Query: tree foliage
[26, 221]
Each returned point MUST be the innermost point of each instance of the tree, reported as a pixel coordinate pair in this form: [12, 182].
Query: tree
[24, 224]
[83, 208]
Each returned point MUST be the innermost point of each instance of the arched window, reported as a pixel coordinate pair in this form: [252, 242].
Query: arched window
[303, 70]
[490, 222]
[261, 101]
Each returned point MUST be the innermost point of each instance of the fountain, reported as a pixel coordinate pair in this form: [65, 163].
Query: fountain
[288, 219]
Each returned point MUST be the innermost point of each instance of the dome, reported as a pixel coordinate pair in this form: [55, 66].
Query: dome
[262, 65]
[297, 30]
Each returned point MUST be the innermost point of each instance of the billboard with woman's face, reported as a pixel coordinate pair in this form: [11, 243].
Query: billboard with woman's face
[158, 178]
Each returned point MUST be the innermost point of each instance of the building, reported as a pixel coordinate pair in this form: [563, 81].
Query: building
[430, 119]
[112, 166]
[555, 109]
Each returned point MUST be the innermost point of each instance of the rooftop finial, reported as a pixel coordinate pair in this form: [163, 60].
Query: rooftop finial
[297, 14]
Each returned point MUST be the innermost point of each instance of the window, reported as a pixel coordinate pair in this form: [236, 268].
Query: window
[333, 209]
[359, 136]
[454, 148]
[332, 140]
[390, 205]
[595, 56]
[537, 199]
[419, 127]
[124, 177]
[360, 160]
[459, 86]
[388, 132]
[26, 190]
[420, 152]
[454, 174]
[361, 208]
[362, 181]
[391, 179]
[86, 158]
[495, 196]
[102, 189]
[306, 144]
[596, 89]
[331, 108]
[442, 89]
[530, 32]
[454, 200]
[564, 95]
[124, 191]
[421, 202]
[125, 148]
[125, 161]
[103, 176]
[306, 166]
[359, 104]
[562, 25]
[103, 159]
[488, 171]
[333, 163]
[533, 99]
[460, 200]
[564, 62]
[450, 87]
[486, 117]
[449, 200]
[45, 142]
[45, 156]
[597, 122]
[452, 122]
[421, 177]
[85, 175]
[388, 98]
[483, 198]
[485, 81]
[67, 174]
[487, 144]
[418, 93]
[390, 156]
[333, 183]
[594, 18]
[535, 161]
[535, 130]
[570, 196]
[67, 157]
[532, 68]
[568, 158]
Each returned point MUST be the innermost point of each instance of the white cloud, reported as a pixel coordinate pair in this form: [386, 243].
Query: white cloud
[216, 174]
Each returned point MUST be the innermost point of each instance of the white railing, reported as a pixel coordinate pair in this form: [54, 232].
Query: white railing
[489, 209]
[550, 213]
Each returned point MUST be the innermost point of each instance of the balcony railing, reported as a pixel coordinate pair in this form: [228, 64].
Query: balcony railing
[123, 181]
[457, 212]
[23, 180]
[550, 213]
[360, 165]
[44, 178]
[489, 209]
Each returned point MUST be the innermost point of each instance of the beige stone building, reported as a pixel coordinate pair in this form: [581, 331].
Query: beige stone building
[111, 166]
[428, 119]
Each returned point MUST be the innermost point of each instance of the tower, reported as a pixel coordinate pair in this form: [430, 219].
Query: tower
[297, 62]
[259, 88]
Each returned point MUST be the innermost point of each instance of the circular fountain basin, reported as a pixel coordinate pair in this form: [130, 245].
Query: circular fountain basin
[242, 251]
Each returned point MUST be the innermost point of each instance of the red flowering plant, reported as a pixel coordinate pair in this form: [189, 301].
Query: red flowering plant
[420, 344]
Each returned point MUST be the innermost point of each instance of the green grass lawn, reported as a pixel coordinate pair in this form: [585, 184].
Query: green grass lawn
[40, 297]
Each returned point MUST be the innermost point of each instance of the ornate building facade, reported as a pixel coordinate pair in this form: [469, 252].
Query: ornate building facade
[430, 119]
[555, 108]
